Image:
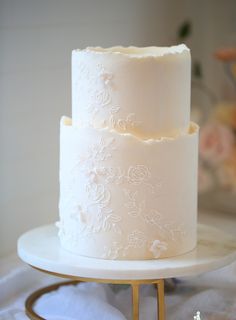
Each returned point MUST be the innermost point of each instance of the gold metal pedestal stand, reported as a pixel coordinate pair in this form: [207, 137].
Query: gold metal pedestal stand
[29, 304]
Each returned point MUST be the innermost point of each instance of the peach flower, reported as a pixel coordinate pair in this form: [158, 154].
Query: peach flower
[227, 54]
[216, 142]
[226, 113]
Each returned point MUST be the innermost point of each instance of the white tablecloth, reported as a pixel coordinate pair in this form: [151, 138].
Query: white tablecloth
[213, 294]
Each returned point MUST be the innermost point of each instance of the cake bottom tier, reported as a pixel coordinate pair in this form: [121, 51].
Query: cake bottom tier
[126, 198]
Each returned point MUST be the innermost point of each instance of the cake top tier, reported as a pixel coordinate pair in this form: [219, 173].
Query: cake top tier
[143, 91]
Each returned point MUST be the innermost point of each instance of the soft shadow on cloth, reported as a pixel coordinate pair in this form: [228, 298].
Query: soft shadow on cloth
[212, 293]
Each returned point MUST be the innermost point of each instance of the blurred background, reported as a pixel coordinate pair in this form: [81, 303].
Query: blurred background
[36, 40]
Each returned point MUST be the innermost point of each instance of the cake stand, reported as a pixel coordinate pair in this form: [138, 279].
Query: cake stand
[40, 248]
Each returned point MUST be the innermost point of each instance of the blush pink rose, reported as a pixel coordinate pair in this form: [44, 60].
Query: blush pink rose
[216, 142]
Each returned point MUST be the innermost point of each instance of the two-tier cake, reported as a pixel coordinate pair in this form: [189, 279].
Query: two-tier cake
[128, 156]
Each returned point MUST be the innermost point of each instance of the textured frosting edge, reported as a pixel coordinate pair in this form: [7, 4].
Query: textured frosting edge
[192, 130]
[136, 52]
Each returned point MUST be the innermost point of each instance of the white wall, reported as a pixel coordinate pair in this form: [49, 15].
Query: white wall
[214, 27]
[36, 39]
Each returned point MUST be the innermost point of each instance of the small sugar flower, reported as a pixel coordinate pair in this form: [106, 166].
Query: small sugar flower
[106, 77]
[157, 248]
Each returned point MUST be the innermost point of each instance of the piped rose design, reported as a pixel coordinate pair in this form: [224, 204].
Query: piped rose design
[152, 217]
[138, 174]
[99, 194]
[123, 124]
[102, 98]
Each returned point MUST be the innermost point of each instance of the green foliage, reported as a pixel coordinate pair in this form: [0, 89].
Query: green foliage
[184, 30]
[197, 70]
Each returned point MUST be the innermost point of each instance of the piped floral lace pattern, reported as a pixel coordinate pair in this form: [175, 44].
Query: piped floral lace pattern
[98, 87]
[96, 214]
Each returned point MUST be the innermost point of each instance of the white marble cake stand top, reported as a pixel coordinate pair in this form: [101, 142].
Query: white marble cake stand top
[40, 248]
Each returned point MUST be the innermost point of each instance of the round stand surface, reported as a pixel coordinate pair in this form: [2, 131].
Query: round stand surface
[41, 249]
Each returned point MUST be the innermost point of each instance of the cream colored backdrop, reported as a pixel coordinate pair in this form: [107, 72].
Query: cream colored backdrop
[36, 39]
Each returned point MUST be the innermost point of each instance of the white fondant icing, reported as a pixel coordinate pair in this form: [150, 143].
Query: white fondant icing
[120, 194]
[128, 157]
[145, 91]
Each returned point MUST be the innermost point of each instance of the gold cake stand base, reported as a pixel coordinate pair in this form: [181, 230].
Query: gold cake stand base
[159, 283]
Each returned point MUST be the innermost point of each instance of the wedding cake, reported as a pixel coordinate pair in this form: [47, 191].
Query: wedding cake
[128, 156]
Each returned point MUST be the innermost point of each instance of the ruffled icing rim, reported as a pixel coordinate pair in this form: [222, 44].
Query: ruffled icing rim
[136, 52]
[193, 129]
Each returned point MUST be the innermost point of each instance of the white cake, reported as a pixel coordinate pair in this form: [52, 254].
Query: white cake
[128, 157]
